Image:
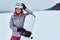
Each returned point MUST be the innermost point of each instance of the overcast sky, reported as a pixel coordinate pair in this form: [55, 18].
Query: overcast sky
[31, 4]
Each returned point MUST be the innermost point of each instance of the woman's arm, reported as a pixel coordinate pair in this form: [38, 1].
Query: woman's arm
[12, 25]
[27, 10]
[14, 28]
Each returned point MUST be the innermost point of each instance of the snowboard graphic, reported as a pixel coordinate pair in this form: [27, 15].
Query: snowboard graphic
[28, 25]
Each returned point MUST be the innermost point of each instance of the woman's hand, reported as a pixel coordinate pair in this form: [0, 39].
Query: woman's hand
[21, 30]
[24, 7]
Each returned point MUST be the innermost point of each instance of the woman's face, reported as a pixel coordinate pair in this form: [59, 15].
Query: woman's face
[18, 10]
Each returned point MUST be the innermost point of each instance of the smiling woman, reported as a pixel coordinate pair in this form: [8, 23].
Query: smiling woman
[17, 22]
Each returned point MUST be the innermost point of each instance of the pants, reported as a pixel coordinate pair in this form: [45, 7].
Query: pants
[15, 38]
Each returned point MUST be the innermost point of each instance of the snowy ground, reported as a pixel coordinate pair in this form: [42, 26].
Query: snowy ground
[46, 27]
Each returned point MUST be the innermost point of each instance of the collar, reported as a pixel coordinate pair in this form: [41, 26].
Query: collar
[15, 14]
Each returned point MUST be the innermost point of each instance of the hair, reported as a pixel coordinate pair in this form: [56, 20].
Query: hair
[21, 10]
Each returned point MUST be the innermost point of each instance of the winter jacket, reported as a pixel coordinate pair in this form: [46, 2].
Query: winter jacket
[18, 22]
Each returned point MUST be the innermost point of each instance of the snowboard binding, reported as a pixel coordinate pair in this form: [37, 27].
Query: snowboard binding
[26, 34]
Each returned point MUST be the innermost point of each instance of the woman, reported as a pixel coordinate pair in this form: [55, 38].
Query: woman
[17, 21]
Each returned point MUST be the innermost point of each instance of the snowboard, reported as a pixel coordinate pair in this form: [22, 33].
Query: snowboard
[28, 25]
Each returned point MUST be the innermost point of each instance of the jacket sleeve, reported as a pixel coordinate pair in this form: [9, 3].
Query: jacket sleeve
[12, 25]
[29, 12]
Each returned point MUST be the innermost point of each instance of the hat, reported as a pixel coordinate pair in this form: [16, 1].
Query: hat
[18, 5]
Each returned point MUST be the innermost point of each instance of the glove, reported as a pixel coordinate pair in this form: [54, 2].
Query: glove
[24, 7]
[21, 30]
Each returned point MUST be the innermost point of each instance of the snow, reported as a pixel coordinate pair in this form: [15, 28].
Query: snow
[46, 27]
[5, 31]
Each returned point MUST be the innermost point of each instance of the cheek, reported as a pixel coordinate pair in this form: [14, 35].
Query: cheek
[18, 11]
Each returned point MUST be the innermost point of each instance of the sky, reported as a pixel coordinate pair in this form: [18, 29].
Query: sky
[8, 5]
